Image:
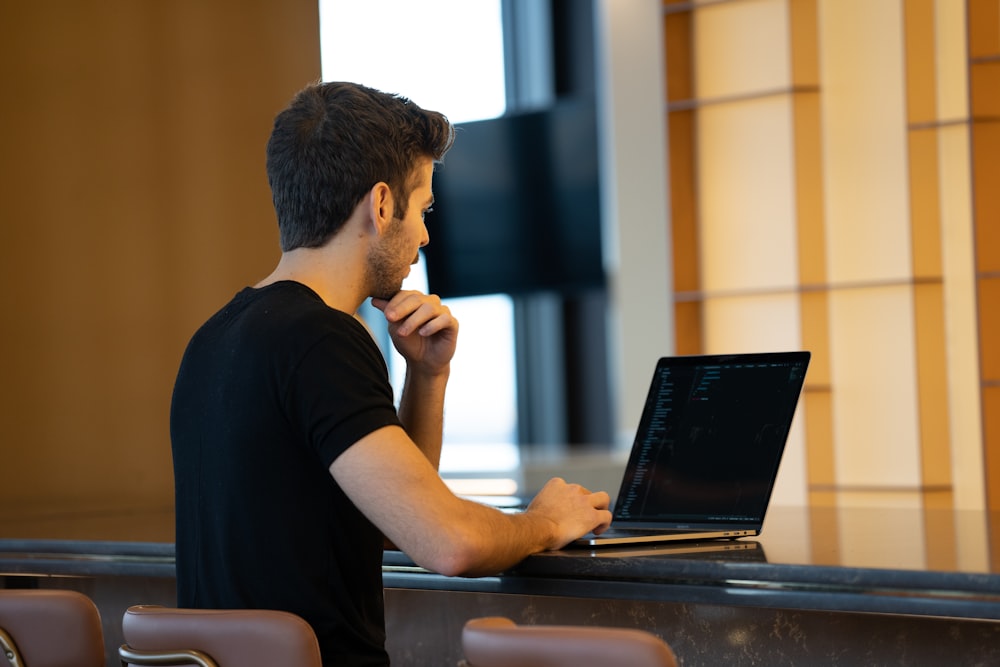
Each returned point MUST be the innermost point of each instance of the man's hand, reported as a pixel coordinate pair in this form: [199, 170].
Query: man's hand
[422, 329]
[573, 509]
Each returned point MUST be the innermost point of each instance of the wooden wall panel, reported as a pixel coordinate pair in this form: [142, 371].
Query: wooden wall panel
[746, 197]
[135, 203]
[925, 242]
[732, 61]
[857, 116]
[960, 315]
[984, 93]
[681, 130]
[874, 379]
[864, 141]
[991, 433]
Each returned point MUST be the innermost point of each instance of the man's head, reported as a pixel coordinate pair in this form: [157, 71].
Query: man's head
[333, 143]
[396, 248]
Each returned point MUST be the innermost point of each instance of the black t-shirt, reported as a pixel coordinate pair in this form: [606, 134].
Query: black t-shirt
[271, 390]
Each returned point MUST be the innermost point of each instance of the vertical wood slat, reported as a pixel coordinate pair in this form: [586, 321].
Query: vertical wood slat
[925, 238]
[688, 315]
[814, 306]
[984, 96]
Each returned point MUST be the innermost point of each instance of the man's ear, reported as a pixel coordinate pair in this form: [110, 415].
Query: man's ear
[382, 207]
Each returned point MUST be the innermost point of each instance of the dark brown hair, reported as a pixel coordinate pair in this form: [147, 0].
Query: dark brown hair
[333, 143]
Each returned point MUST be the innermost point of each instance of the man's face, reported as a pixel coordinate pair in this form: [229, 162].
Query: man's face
[389, 261]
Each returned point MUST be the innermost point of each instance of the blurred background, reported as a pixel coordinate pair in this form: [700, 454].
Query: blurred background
[743, 175]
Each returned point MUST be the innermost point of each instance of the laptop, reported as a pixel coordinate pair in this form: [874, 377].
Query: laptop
[727, 550]
[707, 450]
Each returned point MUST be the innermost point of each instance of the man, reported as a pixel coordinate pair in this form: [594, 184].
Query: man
[291, 464]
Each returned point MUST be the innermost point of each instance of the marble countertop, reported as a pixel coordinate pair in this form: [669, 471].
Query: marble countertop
[928, 562]
[893, 561]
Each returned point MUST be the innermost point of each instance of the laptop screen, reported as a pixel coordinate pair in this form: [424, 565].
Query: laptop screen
[711, 438]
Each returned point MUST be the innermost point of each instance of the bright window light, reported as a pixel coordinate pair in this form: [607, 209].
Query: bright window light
[412, 49]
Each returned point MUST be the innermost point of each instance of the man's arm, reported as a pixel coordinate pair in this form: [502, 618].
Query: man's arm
[391, 474]
[393, 484]
[425, 333]
[421, 409]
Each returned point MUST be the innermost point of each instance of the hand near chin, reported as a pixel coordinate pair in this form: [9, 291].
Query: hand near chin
[422, 329]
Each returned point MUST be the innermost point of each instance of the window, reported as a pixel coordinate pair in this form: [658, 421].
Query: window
[406, 47]
[409, 48]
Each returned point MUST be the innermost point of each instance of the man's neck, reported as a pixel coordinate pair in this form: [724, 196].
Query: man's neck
[331, 274]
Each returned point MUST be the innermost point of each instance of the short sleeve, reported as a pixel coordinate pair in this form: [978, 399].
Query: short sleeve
[339, 391]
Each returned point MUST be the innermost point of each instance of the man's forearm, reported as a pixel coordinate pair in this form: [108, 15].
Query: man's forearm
[510, 539]
[421, 409]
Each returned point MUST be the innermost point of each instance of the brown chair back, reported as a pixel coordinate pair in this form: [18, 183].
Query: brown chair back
[157, 635]
[50, 628]
[499, 642]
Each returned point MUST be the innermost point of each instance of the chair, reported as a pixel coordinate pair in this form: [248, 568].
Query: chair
[499, 642]
[157, 635]
[50, 628]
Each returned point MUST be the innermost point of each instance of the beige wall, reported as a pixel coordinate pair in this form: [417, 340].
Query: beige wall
[134, 203]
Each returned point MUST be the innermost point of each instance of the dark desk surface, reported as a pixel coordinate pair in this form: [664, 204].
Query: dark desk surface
[928, 562]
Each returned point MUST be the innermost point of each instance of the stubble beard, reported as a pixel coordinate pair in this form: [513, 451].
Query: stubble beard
[385, 273]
